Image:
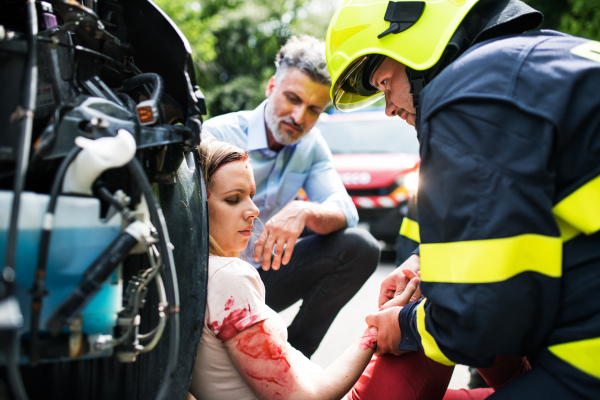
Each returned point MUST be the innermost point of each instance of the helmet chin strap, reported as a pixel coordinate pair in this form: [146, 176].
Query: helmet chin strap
[418, 79]
[417, 84]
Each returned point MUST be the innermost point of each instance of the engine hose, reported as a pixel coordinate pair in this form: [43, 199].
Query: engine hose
[145, 78]
[129, 102]
[168, 273]
[83, 50]
[13, 372]
[137, 71]
[38, 291]
[26, 111]
[29, 93]
[155, 335]
[104, 194]
[162, 294]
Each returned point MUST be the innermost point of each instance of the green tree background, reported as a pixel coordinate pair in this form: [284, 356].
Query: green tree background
[234, 42]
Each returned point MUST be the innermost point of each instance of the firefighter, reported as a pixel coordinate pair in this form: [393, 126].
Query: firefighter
[508, 121]
[408, 238]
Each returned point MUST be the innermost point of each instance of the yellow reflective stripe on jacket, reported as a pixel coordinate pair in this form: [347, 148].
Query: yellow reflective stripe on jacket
[410, 229]
[427, 341]
[491, 260]
[583, 355]
[581, 209]
[567, 231]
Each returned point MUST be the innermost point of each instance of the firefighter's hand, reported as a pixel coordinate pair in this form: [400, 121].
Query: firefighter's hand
[386, 320]
[388, 336]
[408, 294]
[284, 228]
[396, 282]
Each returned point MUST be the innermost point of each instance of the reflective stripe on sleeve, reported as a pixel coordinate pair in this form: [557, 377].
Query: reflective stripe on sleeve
[583, 355]
[581, 209]
[427, 341]
[567, 231]
[410, 229]
[491, 260]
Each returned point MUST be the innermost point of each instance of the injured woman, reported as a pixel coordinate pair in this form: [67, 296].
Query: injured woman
[244, 354]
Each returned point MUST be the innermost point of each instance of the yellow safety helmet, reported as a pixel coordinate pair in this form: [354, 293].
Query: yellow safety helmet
[414, 33]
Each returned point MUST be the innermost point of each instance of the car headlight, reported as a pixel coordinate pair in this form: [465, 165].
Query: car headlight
[409, 181]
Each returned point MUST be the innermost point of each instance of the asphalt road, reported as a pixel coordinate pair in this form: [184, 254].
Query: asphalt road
[350, 324]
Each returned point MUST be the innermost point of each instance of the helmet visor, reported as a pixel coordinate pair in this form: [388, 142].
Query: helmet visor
[350, 92]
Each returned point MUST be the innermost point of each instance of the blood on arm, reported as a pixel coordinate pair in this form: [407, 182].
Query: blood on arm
[273, 370]
[235, 322]
[255, 341]
[368, 340]
[263, 359]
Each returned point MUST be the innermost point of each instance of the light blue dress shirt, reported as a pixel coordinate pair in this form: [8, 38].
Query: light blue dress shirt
[279, 176]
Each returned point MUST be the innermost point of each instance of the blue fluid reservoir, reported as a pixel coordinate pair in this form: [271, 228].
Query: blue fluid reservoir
[78, 237]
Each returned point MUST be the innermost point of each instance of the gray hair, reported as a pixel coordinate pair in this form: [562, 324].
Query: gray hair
[305, 53]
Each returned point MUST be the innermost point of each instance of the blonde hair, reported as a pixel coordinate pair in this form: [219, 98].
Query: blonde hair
[213, 154]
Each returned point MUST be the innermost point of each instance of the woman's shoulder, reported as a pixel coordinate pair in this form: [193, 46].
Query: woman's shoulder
[235, 293]
[230, 268]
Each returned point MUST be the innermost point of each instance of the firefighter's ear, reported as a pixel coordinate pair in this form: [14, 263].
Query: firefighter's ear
[271, 85]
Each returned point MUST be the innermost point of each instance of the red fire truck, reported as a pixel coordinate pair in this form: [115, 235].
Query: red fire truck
[377, 158]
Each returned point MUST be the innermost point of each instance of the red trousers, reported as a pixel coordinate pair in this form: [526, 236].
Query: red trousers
[413, 376]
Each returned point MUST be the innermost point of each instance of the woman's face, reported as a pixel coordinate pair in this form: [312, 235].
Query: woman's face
[231, 211]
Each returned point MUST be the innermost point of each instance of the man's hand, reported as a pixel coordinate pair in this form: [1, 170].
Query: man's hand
[284, 228]
[386, 320]
[395, 283]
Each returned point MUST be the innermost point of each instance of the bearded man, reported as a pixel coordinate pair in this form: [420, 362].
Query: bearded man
[327, 266]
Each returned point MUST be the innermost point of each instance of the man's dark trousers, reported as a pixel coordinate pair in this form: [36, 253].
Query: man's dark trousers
[325, 272]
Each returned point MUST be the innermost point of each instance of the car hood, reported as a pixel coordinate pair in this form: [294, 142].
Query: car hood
[368, 171]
